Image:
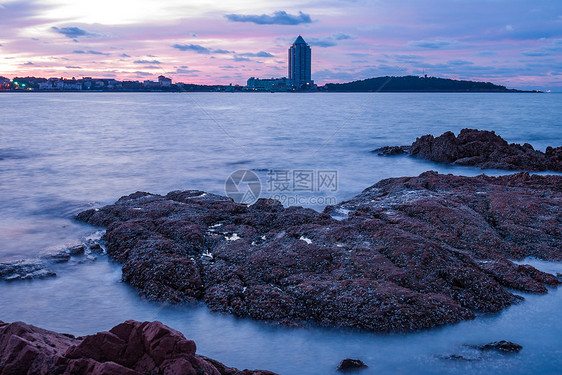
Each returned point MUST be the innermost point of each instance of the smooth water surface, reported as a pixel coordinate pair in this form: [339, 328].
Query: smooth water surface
[61, 153]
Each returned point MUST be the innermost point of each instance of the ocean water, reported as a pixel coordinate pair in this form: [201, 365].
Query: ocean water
[61, 153]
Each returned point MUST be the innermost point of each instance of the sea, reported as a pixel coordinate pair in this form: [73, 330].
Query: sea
[61, 153]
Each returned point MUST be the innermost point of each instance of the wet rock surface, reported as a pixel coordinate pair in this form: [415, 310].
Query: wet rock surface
[130, 348]
[349, 364]
[24, 270]
[502, 347]
[480, 148]
[41, 267]
[472, 353]
[411, 253]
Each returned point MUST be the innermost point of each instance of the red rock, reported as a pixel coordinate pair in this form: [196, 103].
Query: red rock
[131, 348]
[481, 148]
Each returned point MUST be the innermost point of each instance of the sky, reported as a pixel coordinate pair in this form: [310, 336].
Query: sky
[516, 43]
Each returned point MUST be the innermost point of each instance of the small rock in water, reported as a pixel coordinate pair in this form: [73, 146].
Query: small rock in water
[392, 150]
[349, 364]
[76, 250]
[502, 346]
[96, 248]
[60, 257]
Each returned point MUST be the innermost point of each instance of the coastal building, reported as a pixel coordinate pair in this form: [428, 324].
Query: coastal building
[268, 84]
[164, 81]
[300, 64]
[150, 84]
[4, 83]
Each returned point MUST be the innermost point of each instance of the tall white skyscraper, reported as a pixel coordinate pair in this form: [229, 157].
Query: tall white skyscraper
[300, 64]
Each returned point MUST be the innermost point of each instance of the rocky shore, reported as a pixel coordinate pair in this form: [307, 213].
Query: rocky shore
[479, 148]
[405, 254]
[41, 267]
[130, 348]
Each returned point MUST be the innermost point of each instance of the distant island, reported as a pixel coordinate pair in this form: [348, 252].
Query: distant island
[416, 84]
[164, 84]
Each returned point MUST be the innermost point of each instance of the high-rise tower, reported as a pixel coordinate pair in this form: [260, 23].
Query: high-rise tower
[299, 63]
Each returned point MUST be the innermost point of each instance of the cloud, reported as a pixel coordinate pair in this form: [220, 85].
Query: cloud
[342, 36]
[535, 53]
[73, 67]
[186, 71]
[553, 47]
[192, 47]
[146, 62]
[322, 42]
[258, 54]
[485, 53]
[240, 58]
[199, 49]
[433, 44]
[71, 32]
[91, 52]
[277, 18]
[459, 62]
[330, 41]
[28, 63]
[143, 73]
[124, 55]
[406, 58]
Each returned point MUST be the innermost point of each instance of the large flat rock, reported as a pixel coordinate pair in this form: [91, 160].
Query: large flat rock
[410, 253]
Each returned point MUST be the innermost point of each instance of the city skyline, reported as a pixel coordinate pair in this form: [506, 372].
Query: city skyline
[512, 43]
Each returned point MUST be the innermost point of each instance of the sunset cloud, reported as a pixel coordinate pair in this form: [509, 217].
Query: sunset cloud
[199, 49]
[233, 40]
[71, 32]
[277, 18]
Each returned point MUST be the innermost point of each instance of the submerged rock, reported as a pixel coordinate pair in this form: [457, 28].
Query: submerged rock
[411, 252]
[130, 348]
[502, 346]
[349, 364]
[459, 358]
[39, 268]
[480, 148]
[24, 270]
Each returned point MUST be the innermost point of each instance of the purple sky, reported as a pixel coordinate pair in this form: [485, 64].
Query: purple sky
[517, 43]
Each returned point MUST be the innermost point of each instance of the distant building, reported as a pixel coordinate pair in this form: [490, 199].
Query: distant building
[4, 83]
[150, 84]
[300, 64]
[164, 82]
[271, 84]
